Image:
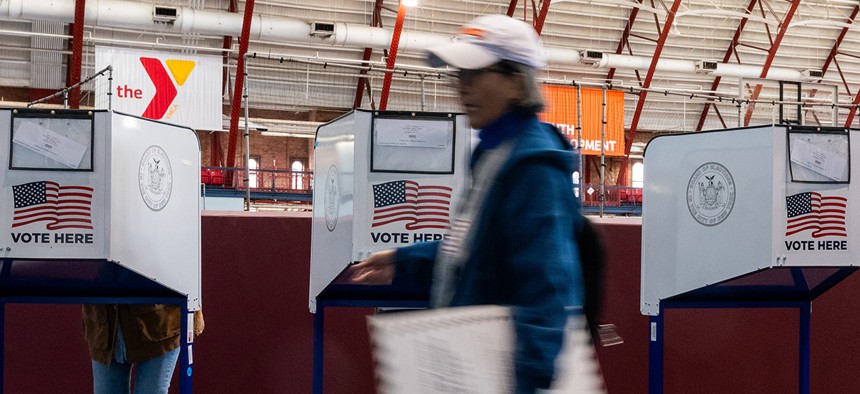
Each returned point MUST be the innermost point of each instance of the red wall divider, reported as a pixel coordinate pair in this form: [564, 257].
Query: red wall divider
[259, 332]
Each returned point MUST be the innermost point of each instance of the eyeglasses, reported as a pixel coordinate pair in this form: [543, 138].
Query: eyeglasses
[467, 77]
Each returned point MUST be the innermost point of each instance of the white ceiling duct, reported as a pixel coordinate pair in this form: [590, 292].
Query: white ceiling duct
[611, 60]
[129, 14]
[753, 71]
[563, 56]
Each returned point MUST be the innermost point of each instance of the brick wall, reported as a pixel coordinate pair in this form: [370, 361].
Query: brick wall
[271, 152]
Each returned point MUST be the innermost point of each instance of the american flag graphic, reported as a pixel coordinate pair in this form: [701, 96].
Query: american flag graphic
[811, 211]
[421, 206]
[60, 206]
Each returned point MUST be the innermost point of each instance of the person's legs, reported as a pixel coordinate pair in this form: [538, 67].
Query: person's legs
[116, 377]
[112, 379]
[153, 376]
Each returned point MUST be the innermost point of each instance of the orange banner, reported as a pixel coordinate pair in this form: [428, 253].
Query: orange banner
[561, 111]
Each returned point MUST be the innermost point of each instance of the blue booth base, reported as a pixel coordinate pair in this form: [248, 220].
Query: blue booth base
[87, 281]
[342, 294]
[782, 287]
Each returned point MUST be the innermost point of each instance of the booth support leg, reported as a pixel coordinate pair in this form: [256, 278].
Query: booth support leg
[5, 266]
[319, 329]
[655, 353]
[803, 356]
[186, 354]
[2, 340]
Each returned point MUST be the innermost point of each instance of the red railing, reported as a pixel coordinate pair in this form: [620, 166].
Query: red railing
[287, 181]
[262, 180]
[614, 196]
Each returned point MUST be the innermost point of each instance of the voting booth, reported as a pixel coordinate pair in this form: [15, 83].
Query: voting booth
[753, 217]
[381, 180]
[100, 207]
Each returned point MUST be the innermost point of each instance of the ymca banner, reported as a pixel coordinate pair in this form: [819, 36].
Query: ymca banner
[176, 88]
[561, 111]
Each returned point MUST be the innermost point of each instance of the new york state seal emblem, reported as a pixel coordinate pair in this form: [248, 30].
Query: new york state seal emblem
[711, 194]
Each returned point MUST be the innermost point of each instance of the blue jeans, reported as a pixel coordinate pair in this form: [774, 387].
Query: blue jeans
[151, 376]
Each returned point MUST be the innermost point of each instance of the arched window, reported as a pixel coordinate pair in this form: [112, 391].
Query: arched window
[298, 177]
[252, 175]
[638, 177]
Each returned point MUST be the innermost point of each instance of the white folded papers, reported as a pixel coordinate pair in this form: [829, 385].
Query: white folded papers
[468, 350]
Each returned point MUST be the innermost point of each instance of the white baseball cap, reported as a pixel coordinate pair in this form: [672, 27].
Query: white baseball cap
[487, 40]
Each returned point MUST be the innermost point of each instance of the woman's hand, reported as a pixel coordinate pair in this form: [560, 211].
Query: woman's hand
[378, 269]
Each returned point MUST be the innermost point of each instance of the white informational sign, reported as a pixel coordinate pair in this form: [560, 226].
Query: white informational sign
[820, 159]
[176, 88]
[50, 144]
[413, 145]
[408, 132]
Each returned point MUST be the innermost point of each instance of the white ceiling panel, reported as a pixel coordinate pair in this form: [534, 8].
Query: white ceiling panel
[304, 74]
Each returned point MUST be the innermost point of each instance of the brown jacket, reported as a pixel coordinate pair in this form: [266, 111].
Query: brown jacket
[149, 330]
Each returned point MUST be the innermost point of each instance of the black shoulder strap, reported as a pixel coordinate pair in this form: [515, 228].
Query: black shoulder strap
[591, 257]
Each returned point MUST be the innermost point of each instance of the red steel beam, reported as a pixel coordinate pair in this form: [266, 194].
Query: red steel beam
[656, 19]
[227, 45]
[835, 50]
[512, 7]
[77, 53]
[359, 89]
[392, 57]
[783, 27]
[215, 139]
[839, 39]
[237, 89]
[763, 49]
[842, 77]
[661, 42]
[763, 15]
[541, 17]
[720, 116]
[538, 15]
[732, 48]
[624, 37]
[853, 112]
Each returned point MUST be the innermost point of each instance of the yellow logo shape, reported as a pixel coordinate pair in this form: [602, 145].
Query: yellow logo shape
[180, 69]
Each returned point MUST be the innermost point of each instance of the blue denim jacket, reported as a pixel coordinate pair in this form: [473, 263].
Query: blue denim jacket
[524, 255]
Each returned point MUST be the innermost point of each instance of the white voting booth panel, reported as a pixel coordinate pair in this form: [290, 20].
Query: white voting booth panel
[718, 205]
[382, 180]
[102, 185]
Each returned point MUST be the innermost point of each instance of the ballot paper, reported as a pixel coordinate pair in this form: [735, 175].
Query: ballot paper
[469, 350]
[819, 158]
[49, 144]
